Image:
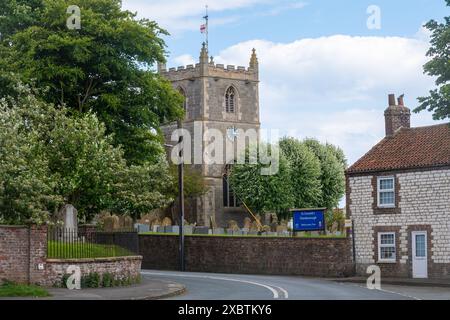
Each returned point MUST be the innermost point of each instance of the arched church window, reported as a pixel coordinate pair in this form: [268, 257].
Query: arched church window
[229, 197]
[230, 100]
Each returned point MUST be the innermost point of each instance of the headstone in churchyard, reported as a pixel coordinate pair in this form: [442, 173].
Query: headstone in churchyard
[218, 231]
[247, 223]
[233, 225]
[166, 222]
[281, 228]
[201, 230]
[69, 217]
[188, 229]
[126, 223]
[172, 229]
[140, 227]
[274, 226]
[334, 227]
[254, 226]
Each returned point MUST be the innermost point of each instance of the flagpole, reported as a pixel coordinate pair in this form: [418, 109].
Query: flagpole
[206, 17]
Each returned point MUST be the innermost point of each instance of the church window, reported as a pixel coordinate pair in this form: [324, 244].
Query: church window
[229, 197]
[230, 100]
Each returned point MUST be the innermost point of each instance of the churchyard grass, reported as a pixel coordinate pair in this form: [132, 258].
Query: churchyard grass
[81, 250]
[9, 289]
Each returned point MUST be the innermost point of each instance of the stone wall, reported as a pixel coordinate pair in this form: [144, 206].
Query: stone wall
[423, 205]
[251, 255]
[119, 268]
[23, 250]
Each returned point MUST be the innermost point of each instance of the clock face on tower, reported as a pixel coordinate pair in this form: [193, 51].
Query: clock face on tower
[232, 133]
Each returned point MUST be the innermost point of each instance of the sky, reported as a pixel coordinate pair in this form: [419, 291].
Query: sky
[326, 67]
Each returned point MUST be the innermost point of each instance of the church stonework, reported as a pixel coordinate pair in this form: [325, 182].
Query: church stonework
[221, 98]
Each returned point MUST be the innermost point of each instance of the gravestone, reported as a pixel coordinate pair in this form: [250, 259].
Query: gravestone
[218, 231]
[232, 225]
[140, 227]
[69, 217]
[166, 222]
[188, 229]
[111, 223]
[247, 223]
[201, 230]
[172, 229]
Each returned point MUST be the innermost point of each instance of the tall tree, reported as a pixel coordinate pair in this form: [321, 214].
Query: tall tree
[104, 67]
[48, 158]
[305, 173]
[263, 193]
[332, 166]
[438, 100]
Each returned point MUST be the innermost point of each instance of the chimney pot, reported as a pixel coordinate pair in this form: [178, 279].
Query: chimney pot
[392, 99]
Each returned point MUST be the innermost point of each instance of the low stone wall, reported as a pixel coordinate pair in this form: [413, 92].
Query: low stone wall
[118, 267]
[23, 259]
[323, 257]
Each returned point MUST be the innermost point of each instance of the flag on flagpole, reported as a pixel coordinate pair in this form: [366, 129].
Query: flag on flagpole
[203, 28]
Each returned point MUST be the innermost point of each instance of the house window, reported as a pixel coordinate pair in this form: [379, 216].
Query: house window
[386, 247]
[229, 197]
[386, 192]
[230, 100]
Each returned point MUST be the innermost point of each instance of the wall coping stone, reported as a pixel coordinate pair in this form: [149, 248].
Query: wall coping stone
[93, 260]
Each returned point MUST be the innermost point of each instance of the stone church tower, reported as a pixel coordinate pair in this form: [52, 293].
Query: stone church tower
[221, 98]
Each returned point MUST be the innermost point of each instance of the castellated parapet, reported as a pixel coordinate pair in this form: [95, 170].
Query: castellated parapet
[210, 69]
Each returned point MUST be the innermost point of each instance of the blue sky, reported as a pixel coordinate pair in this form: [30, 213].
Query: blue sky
[324, 74]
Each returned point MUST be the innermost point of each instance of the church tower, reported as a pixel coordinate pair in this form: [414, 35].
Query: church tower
[224, 99]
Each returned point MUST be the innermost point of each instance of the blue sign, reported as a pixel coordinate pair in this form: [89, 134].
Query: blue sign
[309, 220]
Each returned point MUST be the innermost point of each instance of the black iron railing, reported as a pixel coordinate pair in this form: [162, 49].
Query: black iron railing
[78, 244]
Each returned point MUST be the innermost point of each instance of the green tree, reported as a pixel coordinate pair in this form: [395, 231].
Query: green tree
[438, 100]
[263, 193]
[104, 68]
[305, 173]
[49, 158]
[332, 166]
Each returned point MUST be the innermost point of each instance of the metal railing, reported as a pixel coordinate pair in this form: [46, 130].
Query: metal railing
[79, 244]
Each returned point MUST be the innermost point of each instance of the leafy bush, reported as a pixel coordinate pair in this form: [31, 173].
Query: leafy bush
[107, 280]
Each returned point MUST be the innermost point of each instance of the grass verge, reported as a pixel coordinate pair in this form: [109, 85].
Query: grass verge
[20, 290]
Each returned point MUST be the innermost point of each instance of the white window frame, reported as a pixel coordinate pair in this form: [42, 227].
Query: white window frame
[379, 191]
[394, 260]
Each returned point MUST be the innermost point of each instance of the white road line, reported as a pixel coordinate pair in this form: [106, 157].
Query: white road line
[393, 292]
[271, 288]
[286, 294]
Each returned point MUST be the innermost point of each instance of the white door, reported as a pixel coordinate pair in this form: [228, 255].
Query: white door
[419, 254]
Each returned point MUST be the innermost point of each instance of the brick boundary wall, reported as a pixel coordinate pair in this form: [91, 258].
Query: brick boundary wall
[251, 255]
[23, 248]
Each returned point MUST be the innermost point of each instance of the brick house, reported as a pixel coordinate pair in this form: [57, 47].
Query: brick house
[398, 195]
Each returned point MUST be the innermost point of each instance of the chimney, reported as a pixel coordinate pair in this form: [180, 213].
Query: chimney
[396, 115]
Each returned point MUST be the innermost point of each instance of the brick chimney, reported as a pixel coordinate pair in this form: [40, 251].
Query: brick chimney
[396, 115]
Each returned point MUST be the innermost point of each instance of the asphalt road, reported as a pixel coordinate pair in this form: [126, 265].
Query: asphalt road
[213, 286]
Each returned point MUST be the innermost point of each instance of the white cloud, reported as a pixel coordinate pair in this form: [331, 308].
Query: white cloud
[335, 88]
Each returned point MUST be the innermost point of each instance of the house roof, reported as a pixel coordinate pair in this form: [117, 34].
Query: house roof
[408, 148]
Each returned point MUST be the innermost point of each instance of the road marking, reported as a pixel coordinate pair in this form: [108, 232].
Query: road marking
[270, 288]
[393, 292]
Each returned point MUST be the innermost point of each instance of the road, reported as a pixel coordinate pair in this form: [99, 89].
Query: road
[213, 286]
